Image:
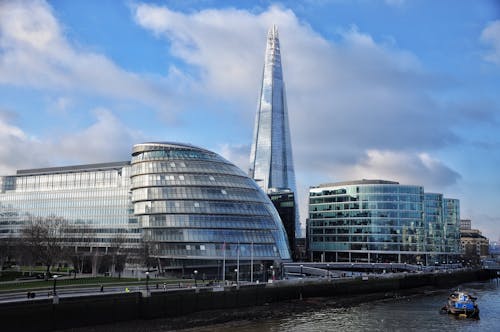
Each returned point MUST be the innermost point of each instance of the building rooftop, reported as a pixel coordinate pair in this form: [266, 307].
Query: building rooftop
[69, 169]
[355, 182]
[152, 146]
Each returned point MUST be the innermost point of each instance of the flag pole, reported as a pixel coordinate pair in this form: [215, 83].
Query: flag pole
[251, 263]
[238, 265]
[224, 264]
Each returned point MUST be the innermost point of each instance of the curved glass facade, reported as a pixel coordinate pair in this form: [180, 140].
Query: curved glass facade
[192, 204]
[367, 221]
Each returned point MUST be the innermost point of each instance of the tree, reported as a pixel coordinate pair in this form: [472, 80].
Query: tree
[119, 254]
[7, 250]
[83, 237]
[44, 238]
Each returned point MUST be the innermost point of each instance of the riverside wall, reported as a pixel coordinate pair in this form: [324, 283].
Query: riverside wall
[43, 315]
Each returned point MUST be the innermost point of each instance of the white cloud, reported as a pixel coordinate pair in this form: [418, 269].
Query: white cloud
[105, 140]
[491, 37]
[345, 96]
[237, 154]
[34, 52]
[17, 148]
[406, 168]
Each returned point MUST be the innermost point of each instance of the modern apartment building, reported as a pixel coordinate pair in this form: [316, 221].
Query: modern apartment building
[379, 221]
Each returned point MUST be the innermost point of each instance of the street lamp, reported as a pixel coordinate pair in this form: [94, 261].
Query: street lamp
[147, 281]
[55, 279]
[237, 274]
[301, 266]
[195, 275]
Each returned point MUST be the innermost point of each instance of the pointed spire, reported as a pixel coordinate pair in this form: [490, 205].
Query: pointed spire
[271, 161]
[273, 32]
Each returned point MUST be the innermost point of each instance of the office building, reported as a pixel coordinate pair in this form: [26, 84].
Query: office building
[465, 224]
[189, 205]
[379, 221]
[284, 202]
[271, 162]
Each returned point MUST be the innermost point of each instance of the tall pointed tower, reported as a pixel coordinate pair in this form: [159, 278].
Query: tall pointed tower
[271, 162]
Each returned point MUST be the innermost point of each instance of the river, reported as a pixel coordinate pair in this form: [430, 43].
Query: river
[411, 313]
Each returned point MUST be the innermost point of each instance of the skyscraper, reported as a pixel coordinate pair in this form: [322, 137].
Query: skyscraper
[271, 162]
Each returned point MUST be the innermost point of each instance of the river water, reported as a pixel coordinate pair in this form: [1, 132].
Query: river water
[410, 313]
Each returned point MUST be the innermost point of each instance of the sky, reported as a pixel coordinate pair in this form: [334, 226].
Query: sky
[401, 90]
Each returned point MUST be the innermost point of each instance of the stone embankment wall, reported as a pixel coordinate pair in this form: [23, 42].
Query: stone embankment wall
[43, 315]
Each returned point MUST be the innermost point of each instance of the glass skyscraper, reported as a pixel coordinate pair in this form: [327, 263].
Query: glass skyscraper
[190, 205]
[271, 162]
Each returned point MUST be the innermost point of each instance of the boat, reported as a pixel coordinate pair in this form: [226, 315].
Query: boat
[461, 304]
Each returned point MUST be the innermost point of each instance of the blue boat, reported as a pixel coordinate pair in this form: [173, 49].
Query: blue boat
[461, 304]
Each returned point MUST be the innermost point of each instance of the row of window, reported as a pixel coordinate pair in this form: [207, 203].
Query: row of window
[207, 236]
[80, 194]
[173, 154]
[366, 230]
[365, 198]
[122, 203]
[203, 207]
[204, 193]
[219, 250]
[70, 180]
[335, 246]
[155, 167]
[230, 223]
[191, 179]
[366, 206]
[369, 189]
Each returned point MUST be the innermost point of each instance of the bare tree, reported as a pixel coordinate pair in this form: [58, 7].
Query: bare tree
[82, 239]
[44, 237]
[149, 255]
[119, 254]
[7, 250]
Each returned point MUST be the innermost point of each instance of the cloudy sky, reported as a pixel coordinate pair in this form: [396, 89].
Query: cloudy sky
[404, 90]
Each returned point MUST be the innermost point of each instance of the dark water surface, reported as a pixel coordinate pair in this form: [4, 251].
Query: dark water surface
[413, 313]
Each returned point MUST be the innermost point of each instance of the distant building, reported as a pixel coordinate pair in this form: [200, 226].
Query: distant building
[271, 161]
[381, 221]
[465, 224]
[475, 246]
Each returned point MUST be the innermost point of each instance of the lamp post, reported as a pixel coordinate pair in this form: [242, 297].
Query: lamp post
[301, 266]
[195, 277]
[237, 274]
[54, 289]
[147, 281]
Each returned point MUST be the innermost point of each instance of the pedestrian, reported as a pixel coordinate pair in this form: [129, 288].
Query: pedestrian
[127, 290]
[157, 286]
[29, 295]
[102, 288]
[165, 286]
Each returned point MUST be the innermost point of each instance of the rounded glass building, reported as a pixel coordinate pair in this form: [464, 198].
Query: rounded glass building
[366, 221]
[196, 208]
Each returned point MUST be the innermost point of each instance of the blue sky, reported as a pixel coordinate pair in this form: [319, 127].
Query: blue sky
[403, 90]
